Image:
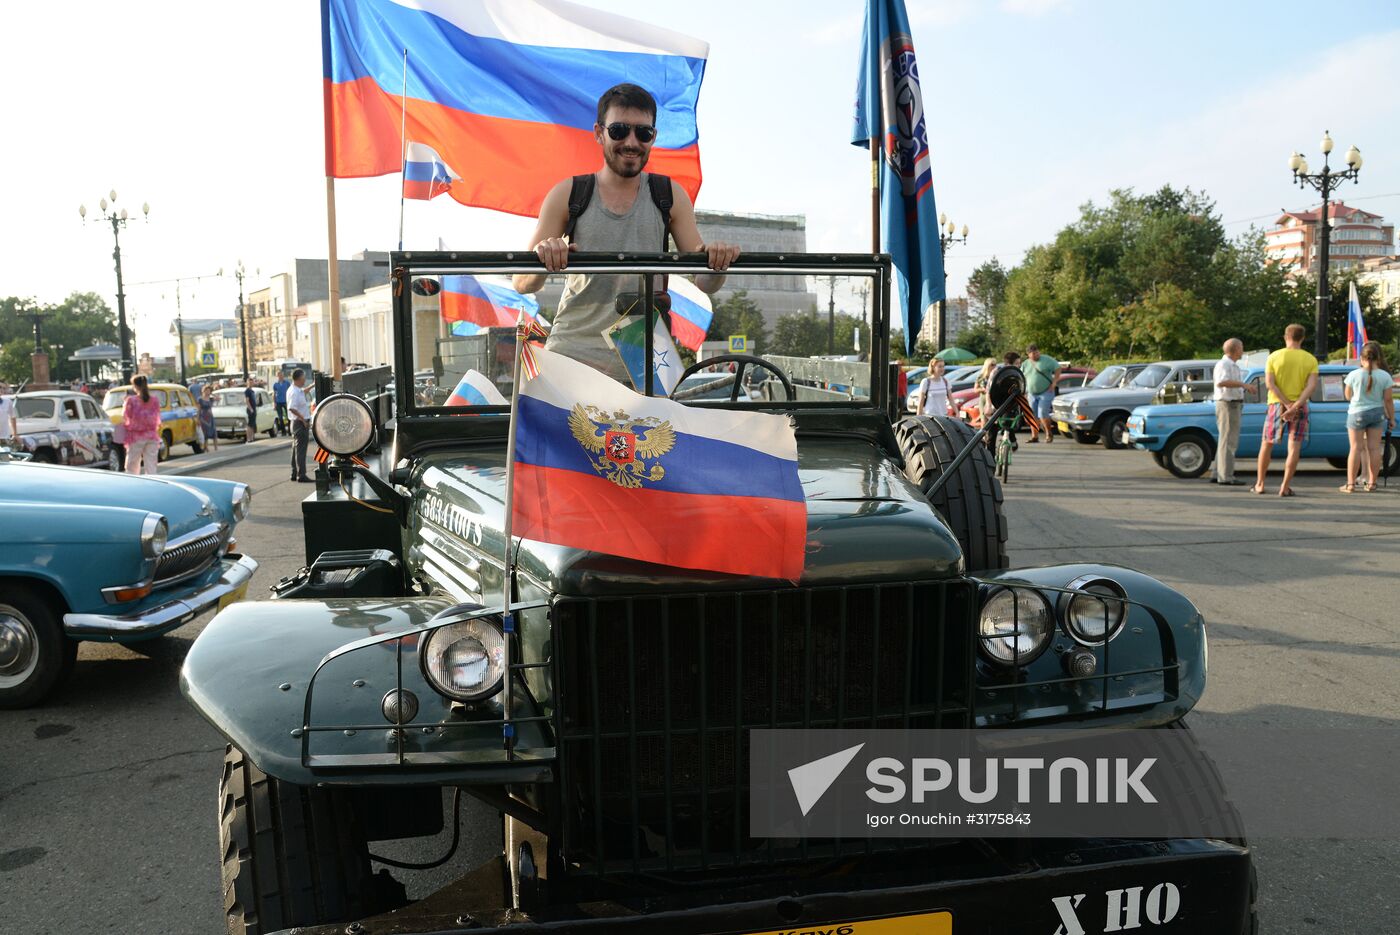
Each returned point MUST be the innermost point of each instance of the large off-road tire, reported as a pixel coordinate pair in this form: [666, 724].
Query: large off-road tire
[971, 501]
[35, 655]
[292, 855]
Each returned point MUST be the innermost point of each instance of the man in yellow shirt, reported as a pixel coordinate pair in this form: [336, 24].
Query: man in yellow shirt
[1291, 375]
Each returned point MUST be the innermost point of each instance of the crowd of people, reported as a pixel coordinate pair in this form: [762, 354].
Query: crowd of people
[1290, 375]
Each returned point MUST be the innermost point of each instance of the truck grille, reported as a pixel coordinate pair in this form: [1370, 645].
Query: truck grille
[656, 697]
[191, 554]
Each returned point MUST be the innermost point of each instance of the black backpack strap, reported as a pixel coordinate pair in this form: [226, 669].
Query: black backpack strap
[661, 196]
[579, 196]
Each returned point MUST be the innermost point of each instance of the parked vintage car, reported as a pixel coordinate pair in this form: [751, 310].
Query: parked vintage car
[1111, 377]
[1183, 437]
[231, 413]
[601, 706]
[1103, 414]
[60, 427]
[116, 558]
[179, 416]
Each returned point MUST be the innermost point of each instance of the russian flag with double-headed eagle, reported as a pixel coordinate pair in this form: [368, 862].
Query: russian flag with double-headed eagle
[504, 91]
[602, 468]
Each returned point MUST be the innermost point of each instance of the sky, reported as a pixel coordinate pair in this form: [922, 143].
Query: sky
[212, 114]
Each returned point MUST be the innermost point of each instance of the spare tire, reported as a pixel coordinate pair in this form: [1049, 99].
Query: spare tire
[970, 502]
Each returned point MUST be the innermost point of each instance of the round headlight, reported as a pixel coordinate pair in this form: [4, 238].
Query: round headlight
[343, 424]
[154, 533]
[1015, 626]
[242, 502]
[466, 660]
[1094, 613]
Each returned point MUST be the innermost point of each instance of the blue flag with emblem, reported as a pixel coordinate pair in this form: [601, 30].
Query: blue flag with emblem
[890, 109]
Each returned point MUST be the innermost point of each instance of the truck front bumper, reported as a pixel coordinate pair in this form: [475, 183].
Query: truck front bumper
[1170, 887]
[230, 585]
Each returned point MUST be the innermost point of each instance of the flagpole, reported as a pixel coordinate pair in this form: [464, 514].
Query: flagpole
[508, 566]
[874, 195]
[332, 260]
[403, 142]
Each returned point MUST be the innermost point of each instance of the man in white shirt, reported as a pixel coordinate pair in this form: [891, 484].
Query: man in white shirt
[1229, 404]
[300, 411]
[9, 428]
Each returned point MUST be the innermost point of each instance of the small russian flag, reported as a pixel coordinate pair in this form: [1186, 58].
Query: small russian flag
[425, 174]
[472, 303]
[476, 389]
[691, 312]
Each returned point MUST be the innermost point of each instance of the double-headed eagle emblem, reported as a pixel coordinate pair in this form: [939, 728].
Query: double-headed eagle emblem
[619, 445]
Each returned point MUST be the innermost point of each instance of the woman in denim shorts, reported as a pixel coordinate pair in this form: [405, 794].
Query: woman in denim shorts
[1369, 388]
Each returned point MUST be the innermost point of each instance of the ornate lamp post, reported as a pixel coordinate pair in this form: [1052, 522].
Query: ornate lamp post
[1325, 182]
[118, 221]
[240, 272]
[946, 240]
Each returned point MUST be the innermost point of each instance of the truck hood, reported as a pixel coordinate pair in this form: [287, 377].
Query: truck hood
[184, 507]
[865, 522]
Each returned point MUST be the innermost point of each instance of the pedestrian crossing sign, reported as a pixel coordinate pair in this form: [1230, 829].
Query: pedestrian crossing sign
[738, 344]
[208, 359]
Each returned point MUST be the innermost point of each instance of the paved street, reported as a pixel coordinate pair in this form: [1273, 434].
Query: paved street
[107, 806]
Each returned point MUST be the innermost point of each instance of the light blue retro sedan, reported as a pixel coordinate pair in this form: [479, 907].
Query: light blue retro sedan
[1182, 437]
[95, 555]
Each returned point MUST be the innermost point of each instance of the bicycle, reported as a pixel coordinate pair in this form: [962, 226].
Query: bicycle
[1006, 443]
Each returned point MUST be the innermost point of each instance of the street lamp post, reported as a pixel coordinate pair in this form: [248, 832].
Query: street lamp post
[239, 271]
[946, 240]
[118, 221]
[1325, 182]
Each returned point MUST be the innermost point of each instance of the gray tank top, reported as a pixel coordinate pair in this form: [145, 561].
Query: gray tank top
[588, 306]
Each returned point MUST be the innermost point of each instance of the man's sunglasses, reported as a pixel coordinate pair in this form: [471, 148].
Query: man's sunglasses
[619, 131]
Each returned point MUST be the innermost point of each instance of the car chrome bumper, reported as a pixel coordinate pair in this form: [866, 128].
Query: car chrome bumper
[154, 620]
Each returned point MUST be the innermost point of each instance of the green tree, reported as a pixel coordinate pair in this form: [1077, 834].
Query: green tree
[802, 334]
[78, 321]
[1169, 322]
[738, 314]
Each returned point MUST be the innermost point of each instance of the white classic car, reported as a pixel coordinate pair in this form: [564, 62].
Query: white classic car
[61, 427]
[231, 413]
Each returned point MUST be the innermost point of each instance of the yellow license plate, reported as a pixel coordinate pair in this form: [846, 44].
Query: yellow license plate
[237, 594]
[925, 923]
[1064, 427]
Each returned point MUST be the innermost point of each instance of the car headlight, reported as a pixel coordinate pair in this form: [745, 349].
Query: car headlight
[242, 502]
[1094, 609]
[466, 660]
[1015, 625]
[343, 424]
[154, 533]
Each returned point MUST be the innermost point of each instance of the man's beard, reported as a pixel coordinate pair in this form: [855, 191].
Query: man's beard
[615, 161]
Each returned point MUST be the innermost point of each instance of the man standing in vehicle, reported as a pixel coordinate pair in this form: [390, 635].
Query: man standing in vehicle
[1291, 375]
[624, 212]
[1229, 405]
[1042, 374]
[301, 424]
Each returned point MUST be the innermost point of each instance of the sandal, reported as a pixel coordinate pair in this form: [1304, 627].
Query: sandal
[1256, 489]
[1348, 488]
[1287, 492]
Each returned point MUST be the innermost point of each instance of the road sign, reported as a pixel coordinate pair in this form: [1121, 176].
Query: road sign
[738, 344]
[208, 359]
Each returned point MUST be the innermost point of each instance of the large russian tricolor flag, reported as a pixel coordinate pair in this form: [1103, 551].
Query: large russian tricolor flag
[600, 467]
[483, 303]
[504, 91]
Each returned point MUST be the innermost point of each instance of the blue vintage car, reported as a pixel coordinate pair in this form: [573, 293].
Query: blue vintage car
[1183, 438]
[93, 555]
